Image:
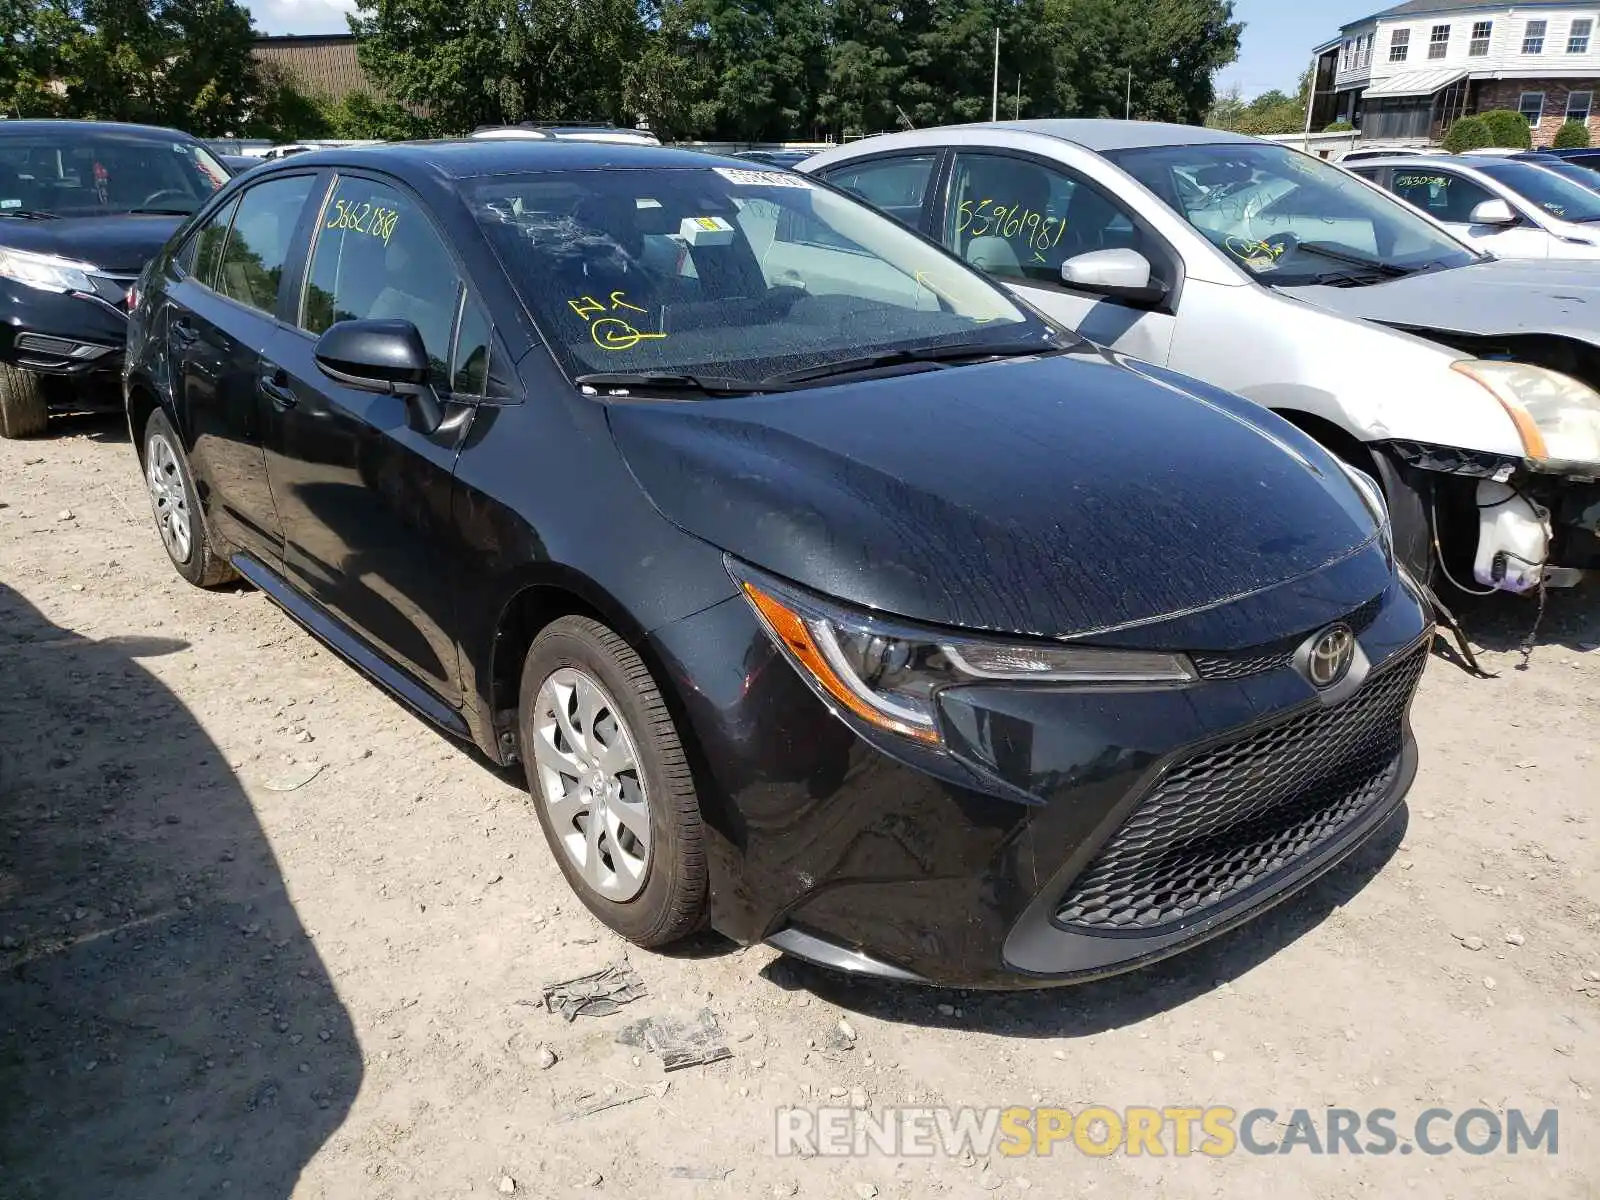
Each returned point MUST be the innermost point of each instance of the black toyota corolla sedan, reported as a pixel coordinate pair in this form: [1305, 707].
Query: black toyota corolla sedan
[84, 205]
[824, 592]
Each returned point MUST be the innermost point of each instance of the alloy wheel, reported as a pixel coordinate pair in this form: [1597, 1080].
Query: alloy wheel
[590, 783]
[170, 498]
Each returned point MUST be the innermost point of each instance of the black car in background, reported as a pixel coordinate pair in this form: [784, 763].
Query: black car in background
[824, 592]
[83, 206]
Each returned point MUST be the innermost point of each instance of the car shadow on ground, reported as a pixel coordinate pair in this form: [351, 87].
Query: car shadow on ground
[1091, 1008]
[167, 1027]
[1506, 624]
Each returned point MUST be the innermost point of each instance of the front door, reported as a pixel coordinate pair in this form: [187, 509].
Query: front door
[1450, 199]
[365, 496]
[1019, 219]
[220, 318]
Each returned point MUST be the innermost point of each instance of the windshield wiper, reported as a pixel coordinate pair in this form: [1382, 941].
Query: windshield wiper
[655, 381]
[1327, 250]
[161, 212]
[914, 354]
[30, 214]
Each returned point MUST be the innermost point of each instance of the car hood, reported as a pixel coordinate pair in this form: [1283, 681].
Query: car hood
[1496, 298]
[1048, 497]
[121, 244]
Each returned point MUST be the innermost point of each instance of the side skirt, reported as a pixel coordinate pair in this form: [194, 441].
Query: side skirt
[338, 638]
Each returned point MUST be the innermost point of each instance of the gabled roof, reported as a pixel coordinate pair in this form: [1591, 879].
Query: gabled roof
[1418, 8]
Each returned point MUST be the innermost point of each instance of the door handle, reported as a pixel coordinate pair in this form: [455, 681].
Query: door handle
[183, 333]
[275, 386]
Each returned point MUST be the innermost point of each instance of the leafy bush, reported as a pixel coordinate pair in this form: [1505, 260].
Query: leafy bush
[1468, 133]
[1507, 128]
[1340, 127]
[1574, 135]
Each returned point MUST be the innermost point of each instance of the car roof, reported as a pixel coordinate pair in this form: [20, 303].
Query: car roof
[466, 158]
[50, 124]
[1102, 135]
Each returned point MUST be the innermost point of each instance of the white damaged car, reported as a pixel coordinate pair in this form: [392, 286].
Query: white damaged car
[1465, 384]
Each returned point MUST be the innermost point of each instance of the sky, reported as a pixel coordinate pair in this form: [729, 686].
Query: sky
[1278, 34]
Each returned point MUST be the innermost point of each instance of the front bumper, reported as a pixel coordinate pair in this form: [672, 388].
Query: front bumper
[1053, 842]
[56, 333]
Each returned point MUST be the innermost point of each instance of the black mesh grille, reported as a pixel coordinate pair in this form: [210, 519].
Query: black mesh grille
[1236, 814]
[1275, 657]
[1221, 666]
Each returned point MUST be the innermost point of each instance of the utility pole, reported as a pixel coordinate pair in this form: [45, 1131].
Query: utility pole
[994, 105]
[1016, 109]
[1127, 111]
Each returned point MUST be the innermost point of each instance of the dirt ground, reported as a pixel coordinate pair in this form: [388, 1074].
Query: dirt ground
[209, 986]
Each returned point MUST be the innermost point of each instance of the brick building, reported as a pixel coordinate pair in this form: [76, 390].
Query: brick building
[1406, 73]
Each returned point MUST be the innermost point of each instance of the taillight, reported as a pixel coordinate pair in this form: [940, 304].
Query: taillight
[133, 297]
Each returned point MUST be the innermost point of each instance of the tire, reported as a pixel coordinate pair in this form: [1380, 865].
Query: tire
[176, 505]
[23, 409]
[651, 892]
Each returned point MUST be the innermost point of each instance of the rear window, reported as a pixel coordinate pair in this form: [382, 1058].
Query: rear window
[738, 272]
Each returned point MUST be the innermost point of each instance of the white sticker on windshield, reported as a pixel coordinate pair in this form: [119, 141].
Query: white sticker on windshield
[10, 203]
[763, 178]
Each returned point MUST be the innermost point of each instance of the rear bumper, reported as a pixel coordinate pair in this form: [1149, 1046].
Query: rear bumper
[956, 868]
[55, 333]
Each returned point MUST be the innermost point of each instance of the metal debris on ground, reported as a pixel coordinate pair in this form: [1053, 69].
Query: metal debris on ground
[679, 1044]
[596, 995]
[296, 776]
[713, 1174]
[588, 1103]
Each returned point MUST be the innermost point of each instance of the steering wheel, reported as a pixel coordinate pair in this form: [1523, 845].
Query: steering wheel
[155, 198]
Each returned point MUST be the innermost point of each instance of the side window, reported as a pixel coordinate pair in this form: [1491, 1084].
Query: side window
[469, 367]
[253, 258]
[204, 251]
[895, 185]
[1443, 196]
[1019, 219]
[377, 255]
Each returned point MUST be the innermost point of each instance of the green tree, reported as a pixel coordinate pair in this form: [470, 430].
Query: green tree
[1508, 129]
[478, 62]
[1466, 133]
[1573, 135]
[670, 83]
[866, 66]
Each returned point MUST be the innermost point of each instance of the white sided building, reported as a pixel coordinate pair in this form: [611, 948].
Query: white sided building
[1404, 74]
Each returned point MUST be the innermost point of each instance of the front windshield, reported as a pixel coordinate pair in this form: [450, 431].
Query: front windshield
[88, 172]
[740, 273]
[1582, 176]
[1559, 197]
[1288, 218]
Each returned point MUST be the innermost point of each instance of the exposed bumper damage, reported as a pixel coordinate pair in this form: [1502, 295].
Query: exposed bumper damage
[1525, 524]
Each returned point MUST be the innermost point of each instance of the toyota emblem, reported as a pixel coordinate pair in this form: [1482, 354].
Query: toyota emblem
[1332, 652]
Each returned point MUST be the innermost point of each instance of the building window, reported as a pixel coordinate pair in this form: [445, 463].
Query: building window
[1399, 45]
[1478, 47]
[1578, 105]
[1366, 49]
[1532, 106]
[1578, 39]
[1533, 37]
[1439, 41]
[1347, 56]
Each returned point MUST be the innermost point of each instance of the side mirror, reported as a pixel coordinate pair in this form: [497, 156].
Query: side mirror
[382, 356]
[1493, 212]
[1116, 274]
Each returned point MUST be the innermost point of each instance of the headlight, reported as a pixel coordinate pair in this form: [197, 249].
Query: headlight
[1557, 417]
[46, 271]
[889, 673]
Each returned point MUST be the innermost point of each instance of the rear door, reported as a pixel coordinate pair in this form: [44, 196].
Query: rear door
[221, 316]
[365, 497]
[1019, 218]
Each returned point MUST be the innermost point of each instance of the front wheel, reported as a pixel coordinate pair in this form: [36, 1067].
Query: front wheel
[24, 411]
[611, 783]
[177, 507]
